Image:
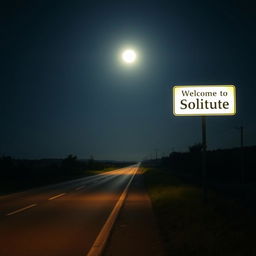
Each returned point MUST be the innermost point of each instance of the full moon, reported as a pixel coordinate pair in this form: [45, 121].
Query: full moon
[129, 56]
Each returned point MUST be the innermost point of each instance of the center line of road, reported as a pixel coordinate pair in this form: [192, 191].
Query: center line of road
[54, 197]
[79, 188]
[21, 210]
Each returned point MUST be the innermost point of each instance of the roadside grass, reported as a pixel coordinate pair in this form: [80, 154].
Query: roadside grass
[220, 228]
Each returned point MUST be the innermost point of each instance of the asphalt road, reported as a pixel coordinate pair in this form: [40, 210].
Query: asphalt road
[62, 219]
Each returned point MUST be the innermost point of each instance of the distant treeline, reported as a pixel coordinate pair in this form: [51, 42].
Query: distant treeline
[16, 174]
[223, 165]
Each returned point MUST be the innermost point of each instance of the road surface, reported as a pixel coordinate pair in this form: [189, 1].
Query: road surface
[62, 219]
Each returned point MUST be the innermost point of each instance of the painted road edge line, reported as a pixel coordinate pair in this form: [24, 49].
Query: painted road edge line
[21, 210]
[101, 240]
[54, 197]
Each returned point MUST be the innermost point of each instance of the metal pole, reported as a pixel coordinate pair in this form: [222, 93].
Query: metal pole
[242, 154]
[242, 136]
[204, 146]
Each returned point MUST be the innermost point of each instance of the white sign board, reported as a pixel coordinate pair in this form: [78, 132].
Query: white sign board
[205, 100]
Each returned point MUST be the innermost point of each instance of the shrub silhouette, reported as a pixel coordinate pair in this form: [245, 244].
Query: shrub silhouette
[196, 148]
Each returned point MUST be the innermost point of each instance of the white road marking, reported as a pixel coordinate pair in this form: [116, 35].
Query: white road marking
[101, 240]
[79, 188]
[54, 197]
[21, 210]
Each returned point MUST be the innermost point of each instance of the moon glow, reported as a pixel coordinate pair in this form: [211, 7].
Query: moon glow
[129, 56]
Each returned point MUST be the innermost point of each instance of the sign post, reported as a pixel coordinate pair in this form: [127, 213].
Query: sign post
[204, 147]
[204, 100]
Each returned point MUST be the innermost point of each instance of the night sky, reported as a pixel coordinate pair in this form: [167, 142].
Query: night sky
[64, 89]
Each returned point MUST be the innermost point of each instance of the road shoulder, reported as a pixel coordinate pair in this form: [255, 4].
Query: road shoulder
[135, 231]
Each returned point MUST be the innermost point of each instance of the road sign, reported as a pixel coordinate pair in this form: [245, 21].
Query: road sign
[204, 100]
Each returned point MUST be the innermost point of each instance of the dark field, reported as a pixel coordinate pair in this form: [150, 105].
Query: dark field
[17, 175]
[188, 227]
[226, 224]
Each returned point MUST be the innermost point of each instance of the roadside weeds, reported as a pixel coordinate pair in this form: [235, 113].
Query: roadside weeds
[188, 227]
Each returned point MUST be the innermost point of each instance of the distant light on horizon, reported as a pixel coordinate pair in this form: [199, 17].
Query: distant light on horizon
[129, 56]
